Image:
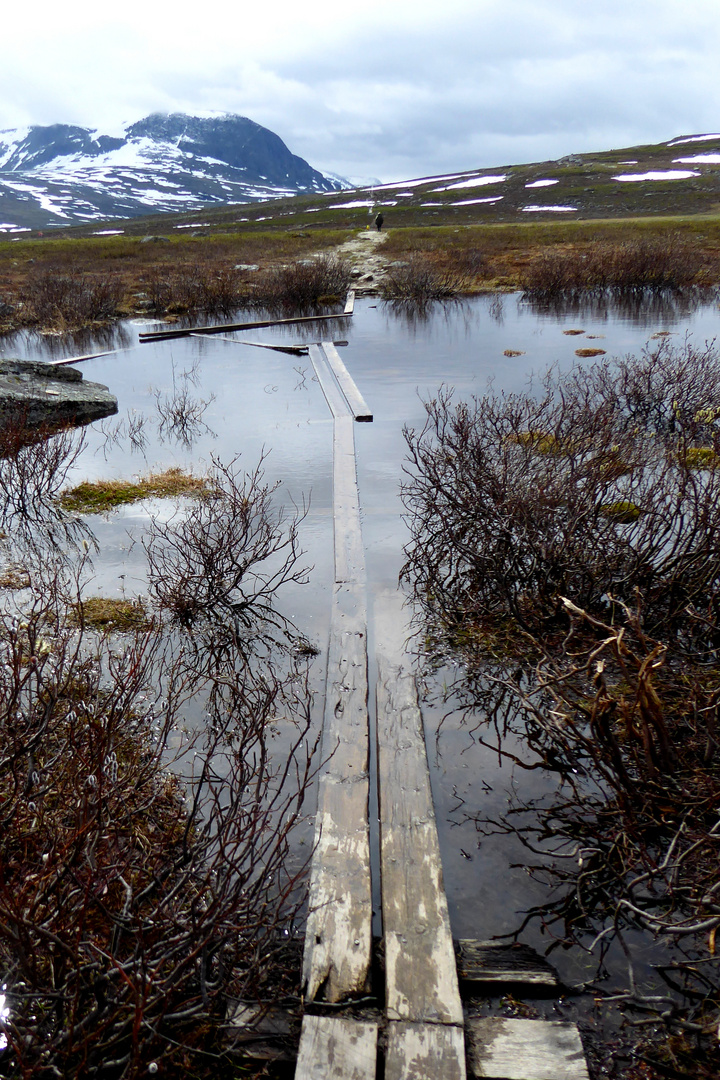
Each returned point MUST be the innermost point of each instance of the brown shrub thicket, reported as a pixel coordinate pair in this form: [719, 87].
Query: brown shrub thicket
[146, 815]
[567, 546]
[631, 266]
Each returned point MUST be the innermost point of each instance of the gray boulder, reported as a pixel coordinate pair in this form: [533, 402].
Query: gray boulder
[45, 395]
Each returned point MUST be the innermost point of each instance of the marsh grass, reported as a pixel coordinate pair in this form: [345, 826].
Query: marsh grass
[99, 496]
[108, 614]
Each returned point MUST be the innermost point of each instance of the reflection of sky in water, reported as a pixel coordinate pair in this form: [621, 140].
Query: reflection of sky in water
[260, 401]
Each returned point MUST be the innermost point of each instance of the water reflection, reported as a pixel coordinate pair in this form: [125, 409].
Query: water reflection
[643, 307]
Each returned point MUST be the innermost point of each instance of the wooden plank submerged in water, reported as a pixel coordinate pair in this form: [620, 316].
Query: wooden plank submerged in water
[332, 1048]
[338, 938]
[525, 1049]
[499, 962]
[221, 328]
[421, 974]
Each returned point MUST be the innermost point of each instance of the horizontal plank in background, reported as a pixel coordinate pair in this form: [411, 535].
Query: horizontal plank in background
[495, 961]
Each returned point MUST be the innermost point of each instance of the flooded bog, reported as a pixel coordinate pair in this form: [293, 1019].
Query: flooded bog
[189, 401]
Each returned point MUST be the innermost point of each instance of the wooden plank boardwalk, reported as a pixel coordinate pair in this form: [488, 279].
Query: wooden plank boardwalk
[423, 1032]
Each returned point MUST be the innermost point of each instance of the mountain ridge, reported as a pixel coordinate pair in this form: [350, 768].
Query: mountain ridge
[63, 174]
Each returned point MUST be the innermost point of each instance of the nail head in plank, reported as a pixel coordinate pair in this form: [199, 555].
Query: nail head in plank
[354, 398]
[424, 1052]
[497, 961]
[332, 1048]
[525, 1049]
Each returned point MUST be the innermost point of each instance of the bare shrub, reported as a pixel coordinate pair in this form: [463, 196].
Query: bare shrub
[303, 284]
[632, 266]
[421, 281]
[567, 546]
[223, 557]
[145, 821]
[66, 300]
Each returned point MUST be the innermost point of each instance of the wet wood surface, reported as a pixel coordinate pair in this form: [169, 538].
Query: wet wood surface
[421, 974]
[356, 402]
[525, 1049]
[494, 961]
[424, 1052]
[332, 1048]
[338, 938]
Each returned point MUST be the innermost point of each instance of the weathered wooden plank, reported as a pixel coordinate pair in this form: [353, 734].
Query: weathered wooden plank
[525, 1049]
[257, 324]
[496, 961]
[79, 359]
[292, 350]
[261, 1034]
[421, 975]
[328, 384]
[332, 1048]
[349, 550]
[338, 937]
[358, 405]
[424, 1052]
[350, 303]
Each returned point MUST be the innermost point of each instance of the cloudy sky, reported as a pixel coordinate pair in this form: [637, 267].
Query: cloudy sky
[392, 89]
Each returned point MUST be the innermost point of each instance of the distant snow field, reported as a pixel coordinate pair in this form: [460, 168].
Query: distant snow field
[471, 202]
[699, 159]
[552, 209]
[693, 138]
[660, 174]
[542, 183]
[478, 181]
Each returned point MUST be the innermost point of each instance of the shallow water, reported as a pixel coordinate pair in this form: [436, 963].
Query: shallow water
[254, 401]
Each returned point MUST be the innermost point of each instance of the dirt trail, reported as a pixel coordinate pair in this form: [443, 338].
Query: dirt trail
[363, 251]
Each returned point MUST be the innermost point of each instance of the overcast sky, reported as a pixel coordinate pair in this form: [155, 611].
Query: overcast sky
[393, 90]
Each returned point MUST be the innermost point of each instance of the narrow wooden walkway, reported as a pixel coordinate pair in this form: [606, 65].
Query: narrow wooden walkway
[422, 1034]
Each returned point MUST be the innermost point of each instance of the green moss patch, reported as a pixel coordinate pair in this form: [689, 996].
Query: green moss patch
[103, 613]
[95, 497]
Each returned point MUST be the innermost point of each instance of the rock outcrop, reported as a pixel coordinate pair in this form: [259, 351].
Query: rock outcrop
[37, 395]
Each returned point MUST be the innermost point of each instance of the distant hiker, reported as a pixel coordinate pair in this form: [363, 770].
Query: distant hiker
[379, 222]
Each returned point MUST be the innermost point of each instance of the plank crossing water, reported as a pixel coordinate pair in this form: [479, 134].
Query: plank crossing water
[425, 1034]
[338, 938]
[421, 986]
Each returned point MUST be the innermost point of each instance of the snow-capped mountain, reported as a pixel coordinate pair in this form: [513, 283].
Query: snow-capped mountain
[65, 175]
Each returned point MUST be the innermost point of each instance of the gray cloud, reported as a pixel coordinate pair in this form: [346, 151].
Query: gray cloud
[395, 93]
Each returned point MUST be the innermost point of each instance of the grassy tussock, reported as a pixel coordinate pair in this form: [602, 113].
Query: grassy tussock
[96, 497]
[104, 613]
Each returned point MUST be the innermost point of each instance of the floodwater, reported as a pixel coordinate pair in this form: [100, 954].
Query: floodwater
[249, 402]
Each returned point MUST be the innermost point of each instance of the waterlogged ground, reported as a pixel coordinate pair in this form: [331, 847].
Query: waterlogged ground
[251, 402]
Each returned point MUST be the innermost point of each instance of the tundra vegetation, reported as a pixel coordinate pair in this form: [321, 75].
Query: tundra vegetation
[64, 283]
[147, 883]
[565, 545]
